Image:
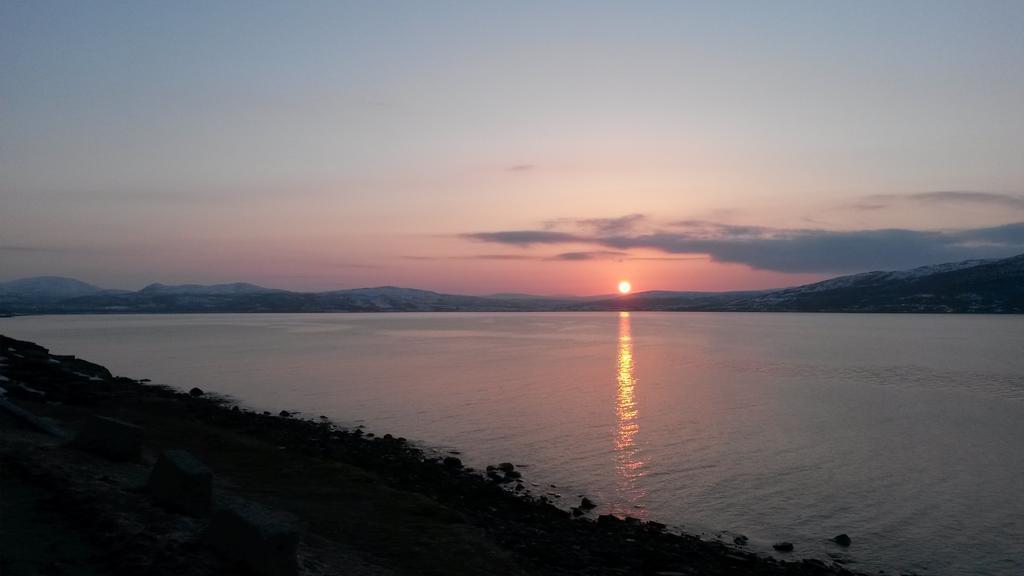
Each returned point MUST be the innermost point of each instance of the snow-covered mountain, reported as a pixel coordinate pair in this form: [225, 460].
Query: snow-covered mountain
[990, 286]
[866, 279]
[47, 289]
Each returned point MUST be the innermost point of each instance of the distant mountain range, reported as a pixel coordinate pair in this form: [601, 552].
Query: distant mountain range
[973, 286]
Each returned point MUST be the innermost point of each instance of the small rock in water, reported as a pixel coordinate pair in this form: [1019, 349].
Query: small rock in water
[783, 546]
[587, 504]
[284, 414]
[452, 462]
[506, 467]
[842, 540]
[196, 392]
[740, 540]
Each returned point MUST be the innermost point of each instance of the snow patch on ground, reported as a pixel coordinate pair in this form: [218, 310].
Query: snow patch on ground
[936, 269]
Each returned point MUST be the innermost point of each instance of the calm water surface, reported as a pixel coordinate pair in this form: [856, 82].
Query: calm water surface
[906, 432]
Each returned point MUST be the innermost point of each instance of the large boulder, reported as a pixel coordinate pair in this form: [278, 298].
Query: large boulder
[182, 483]
[264, 540]
[45, 425]
[111, 438]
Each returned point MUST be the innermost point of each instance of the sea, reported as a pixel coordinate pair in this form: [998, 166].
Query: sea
[905, 432]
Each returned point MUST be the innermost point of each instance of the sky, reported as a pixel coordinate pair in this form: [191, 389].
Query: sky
[483, 147]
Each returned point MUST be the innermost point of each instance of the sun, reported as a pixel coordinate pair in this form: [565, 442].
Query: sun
[625, 287]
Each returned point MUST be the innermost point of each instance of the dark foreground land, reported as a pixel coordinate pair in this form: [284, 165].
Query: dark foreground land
[367, 505]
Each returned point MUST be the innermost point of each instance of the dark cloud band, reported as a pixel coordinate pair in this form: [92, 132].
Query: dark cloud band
[791, 250]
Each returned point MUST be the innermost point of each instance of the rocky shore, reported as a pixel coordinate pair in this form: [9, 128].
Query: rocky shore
[108, 475]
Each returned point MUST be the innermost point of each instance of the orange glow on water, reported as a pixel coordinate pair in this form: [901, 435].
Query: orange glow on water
[629, 463]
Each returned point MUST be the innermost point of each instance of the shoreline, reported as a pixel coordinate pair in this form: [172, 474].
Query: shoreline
[370, 504]
[496, 311]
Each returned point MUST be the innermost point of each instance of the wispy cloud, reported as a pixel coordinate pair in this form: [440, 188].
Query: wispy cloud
[476, 257]
[620, 225]
[940, 198]
[497, 257]
[39, 249]
[591, 255]
[356, 265]
[523, 237]
[708, 229]
[582, 256]
[616, 225]
[665, 258]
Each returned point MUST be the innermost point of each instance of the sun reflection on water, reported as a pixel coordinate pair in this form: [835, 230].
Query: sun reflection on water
[629, 463]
